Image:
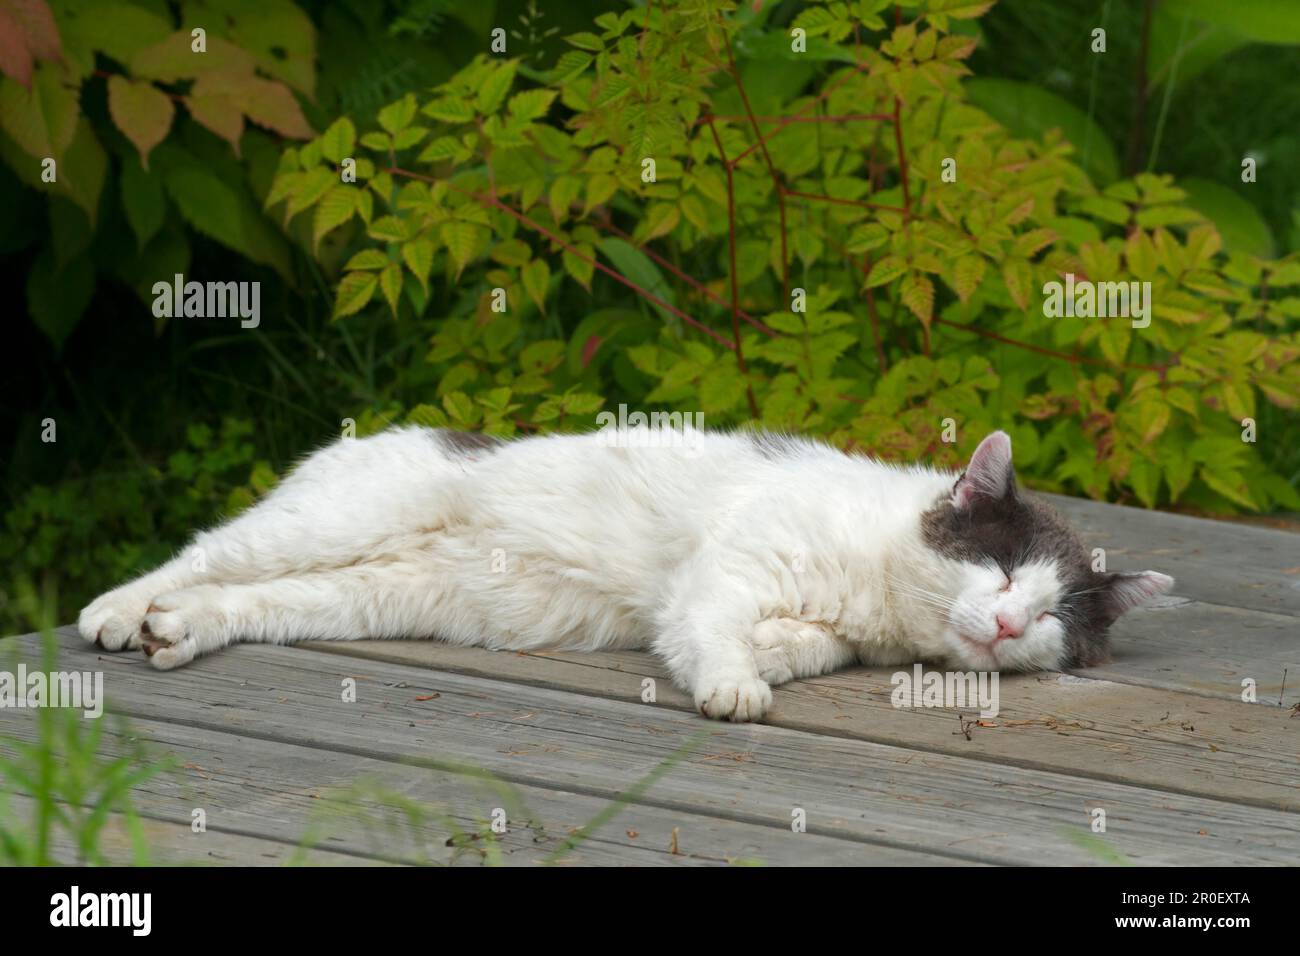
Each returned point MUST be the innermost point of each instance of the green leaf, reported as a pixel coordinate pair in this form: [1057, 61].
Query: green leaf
[367, 259]
[173, 59]
[143, 201]
[83, 170]
[141, 111]
[397, 116]
[334, 209]
[56, 298]
[390, 282]
[464, 240]
[536, 277]
[338, 141]
[494, 89]
[633, 264]
[117, 29]
[225, 214]
[866, 237]
[388, 229]
[586, 41]
[531, 104]
[581, 267]
[41, 120]
[1264, 21]
[1028, 110]
[917, 293]
[449, 110]
[418, 256]
[1019, 277]
[968, 273]
[722, 388]
[1239, 223]
[885, 270]
[356, 289]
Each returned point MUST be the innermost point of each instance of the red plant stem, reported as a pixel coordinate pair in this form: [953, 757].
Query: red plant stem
[902, 158]
[787, 120]
[771, 168]
[690, 280]
[1064, 356]
[735, 290]
[874, 317]
[542, 230]
[845, 202]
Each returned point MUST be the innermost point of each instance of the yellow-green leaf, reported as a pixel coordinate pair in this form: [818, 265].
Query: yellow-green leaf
[886, 270]
[917, 293]
[418, 256]
[141, 111]
[356, 289]
[334, 209]
[536, 276]
[337, 141]
[390, 281]
[1018, 276]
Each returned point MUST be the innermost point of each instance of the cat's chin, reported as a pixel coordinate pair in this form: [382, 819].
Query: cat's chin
[966, 651]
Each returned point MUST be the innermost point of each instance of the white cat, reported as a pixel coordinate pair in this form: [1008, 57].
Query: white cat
[742, 560]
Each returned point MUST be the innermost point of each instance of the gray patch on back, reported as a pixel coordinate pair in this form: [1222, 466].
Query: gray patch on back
[772, 446]
[468, 444]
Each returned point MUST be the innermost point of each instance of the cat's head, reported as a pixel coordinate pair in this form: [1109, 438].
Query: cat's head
[1021, 592]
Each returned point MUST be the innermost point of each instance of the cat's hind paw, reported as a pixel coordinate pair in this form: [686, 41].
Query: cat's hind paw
[773, 665]
[176, 624]
[740, 699]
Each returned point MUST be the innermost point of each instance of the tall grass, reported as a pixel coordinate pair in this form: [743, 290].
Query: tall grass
[69, 789]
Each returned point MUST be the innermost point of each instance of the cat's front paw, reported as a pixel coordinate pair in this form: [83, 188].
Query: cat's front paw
[112, 620]
[738, 699]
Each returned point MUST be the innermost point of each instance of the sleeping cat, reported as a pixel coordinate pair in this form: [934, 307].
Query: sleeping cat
[742, 560]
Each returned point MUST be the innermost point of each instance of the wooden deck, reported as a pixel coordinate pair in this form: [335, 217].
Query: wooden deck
[1186, 772]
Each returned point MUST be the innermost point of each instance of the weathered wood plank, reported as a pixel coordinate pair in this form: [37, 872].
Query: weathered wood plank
[1206, 649]
[1248, 753]
[1217, 562]
[267, 792]
[852, 789]
[172, 844]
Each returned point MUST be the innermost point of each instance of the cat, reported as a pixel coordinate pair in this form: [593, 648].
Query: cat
[742, 560]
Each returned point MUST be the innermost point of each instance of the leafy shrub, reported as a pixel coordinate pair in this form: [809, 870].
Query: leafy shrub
[97, 531]
[921, 296]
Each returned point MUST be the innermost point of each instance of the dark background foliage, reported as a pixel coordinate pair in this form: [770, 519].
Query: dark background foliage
[162, 426]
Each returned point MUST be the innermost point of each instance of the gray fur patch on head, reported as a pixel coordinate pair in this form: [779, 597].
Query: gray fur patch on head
[468, 444]
[1013, 530]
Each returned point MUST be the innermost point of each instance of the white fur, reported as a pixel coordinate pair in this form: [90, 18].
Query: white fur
[739, 568]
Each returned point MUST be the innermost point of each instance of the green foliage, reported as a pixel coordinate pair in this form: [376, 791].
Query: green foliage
[923, 296]
[99, 531]
[165, 91]
[70, 789]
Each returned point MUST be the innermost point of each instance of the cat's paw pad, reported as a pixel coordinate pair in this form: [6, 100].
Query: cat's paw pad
[742, 699]
[169, 632]
[773, 665]
[112, 620]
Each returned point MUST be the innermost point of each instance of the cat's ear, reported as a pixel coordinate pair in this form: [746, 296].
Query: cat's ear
[989, 474]
[1127, 590]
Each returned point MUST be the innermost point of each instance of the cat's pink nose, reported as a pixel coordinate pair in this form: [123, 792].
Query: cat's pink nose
[1006, 628]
